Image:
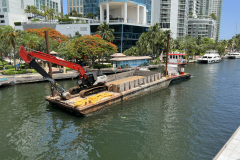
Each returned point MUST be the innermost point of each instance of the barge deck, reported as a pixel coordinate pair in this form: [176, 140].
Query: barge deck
[120, 88]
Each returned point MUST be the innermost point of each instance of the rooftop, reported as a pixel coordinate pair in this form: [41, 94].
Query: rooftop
[130, 58]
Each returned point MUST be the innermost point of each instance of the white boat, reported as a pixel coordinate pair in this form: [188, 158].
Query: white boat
[177, 58]
[234, 55]
[211, 56]
[144, 69]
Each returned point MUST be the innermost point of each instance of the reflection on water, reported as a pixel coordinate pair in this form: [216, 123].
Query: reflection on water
[191, 119]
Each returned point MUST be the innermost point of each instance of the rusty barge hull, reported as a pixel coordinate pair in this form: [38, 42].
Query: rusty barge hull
[120, 93]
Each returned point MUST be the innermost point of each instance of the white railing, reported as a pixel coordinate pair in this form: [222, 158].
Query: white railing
[87, 22]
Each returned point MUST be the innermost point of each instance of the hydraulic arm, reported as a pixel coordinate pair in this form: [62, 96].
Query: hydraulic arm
[88, 81]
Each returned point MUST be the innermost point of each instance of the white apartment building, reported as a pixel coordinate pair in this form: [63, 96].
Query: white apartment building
[174, 16]
[212, 6]
[13, 10]
[194, 7]
[202, 27]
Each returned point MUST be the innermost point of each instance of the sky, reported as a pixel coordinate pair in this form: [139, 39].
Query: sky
[230, 17]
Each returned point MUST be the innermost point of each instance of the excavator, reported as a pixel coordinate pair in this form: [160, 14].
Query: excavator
[88, 83]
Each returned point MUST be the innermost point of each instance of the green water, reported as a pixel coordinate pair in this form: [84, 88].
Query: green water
[191, 119]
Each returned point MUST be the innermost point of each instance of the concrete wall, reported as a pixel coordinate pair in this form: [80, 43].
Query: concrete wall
[72, 28]
[10, 18]
[38, 25]
[116, 13]
[67, 29]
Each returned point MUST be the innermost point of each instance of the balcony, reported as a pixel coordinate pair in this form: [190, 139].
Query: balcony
[165, 2]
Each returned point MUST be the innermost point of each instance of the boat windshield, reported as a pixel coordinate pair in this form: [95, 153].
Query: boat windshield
[209, 57]
[204, 56]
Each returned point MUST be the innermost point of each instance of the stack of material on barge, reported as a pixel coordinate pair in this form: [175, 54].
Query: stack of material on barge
[121, 87]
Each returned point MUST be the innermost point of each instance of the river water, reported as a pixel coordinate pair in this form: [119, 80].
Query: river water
[191, 119]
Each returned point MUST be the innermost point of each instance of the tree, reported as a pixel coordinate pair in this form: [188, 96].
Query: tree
[133, 51]
[51, 13]
[90, 15]
[9, 34]
[60, 15]
[213, 16]
[91, 47]
[45, 11]
[153, 35]
[28, 9]
[34, 10]
[143, 44]
[105, 32]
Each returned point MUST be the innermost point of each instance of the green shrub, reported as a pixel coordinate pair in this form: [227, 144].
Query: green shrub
[102, 66]
[7, 67]
[17, 23]
[34, 20]
[23, 71]
[65, 20]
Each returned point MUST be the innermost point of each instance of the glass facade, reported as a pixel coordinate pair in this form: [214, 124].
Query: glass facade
[91, 6]
[126, 36]
[131, 63]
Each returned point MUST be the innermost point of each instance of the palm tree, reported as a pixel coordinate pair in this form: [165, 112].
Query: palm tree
[105, 32]
[143, 44]
[10, 35]
[28, 9]
[152, 35]
[51, 13]
[60, 14]
[33, 10]
[45, 9]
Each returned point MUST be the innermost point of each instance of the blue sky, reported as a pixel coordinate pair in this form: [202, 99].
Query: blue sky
[230, 16]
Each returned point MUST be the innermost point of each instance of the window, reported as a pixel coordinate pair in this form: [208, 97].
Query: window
[22, 6]
[2, 21]
[77, 2]
[4, 3]
[74, 8]
[4, 9]
[74, 4]
[83, 28]
[70, 3]
[77, 9]
[70, 9]
[81, 9]
[81, 2]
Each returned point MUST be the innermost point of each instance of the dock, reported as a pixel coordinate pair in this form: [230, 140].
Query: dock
[121, 87]
[6, 80]
[231, 150]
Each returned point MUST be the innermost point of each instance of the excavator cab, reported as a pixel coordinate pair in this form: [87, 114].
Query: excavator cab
[88, 79]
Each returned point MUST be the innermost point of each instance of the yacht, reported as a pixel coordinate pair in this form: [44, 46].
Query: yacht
[234, 55]
[211, 56]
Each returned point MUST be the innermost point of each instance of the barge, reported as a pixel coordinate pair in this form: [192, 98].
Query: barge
[120, 87]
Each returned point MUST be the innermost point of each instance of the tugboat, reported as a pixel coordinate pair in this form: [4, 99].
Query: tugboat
[177, 58]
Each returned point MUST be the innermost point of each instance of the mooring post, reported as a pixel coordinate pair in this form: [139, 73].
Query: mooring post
[167, 53]
[49, 63]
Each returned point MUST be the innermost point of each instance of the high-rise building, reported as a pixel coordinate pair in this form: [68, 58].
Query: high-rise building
[202, 27]
[194, 7]
[76, 5]
[207, 7]
[91, 6]
[13, 10]
[174, 16]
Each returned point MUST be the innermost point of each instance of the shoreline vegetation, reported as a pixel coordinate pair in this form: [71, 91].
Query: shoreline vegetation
[94, 50]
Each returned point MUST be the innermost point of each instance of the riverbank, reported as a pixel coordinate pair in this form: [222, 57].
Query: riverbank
[6, 80]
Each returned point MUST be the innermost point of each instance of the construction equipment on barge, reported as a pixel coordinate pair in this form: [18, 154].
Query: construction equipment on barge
[88, 83]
